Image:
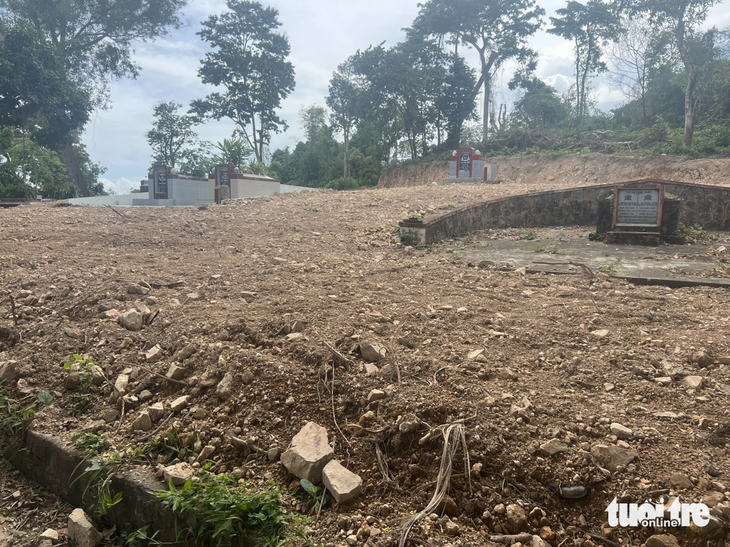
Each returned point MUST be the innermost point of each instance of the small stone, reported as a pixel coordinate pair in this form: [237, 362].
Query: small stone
[601, 333]
[51, 534]
[553, 447]
[154, 354]
[371, 370]
[186, 352]
[702, 359]
[145, 395]
[448, 507]
[224, 390]
[351, 539]
[206, 453]
[179, 473]
[9, 372]
[310, 451]
[507, 373]
[294, 336]
[452, 529]
[198, 413]
[662, 540]
[516, 518]
[663, 380]
[376, 395]
[621, 432]
[156, 411]
[142, 422]
[72, 381]
[131, 320]
[273, 454]
[110, 314]
[474, 354]
[613, 457]
[693, 382]
[711, 499]
[409, 424]
[137, 289]
[178, 404]
[109, 415]
[247, 376]
[193, 296]
[372, 352]
[81, 530]
[681, 482]
[537, 541]
[297, 326]
[175, 372]
[344, 485]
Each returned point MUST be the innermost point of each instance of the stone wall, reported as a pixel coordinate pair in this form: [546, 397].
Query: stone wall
[708, 206]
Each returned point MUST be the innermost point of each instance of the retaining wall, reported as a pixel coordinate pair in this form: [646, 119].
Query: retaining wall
[708, 206]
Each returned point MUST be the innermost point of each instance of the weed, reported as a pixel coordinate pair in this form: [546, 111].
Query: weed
[562, 236]
[317, 495]
[608, 269]
[90, 443]
[468, 240]
[81, 400]
[530, 234]
[688, 234]
[541, 248]
[447, 207]
[16, 415]
[218, 511]
[595, 236]
[171, 446]
[142, 537]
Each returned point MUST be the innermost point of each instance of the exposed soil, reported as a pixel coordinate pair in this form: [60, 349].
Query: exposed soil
[572, 170]
[564, 358]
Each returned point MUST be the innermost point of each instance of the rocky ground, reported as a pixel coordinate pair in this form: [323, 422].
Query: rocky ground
[254, 318]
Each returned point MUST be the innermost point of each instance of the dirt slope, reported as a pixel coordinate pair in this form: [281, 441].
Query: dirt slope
[562, 358]
[575, 170]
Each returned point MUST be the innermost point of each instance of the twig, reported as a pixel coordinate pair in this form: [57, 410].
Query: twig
[179, 382]
[338, 355]
[162, 424]
[12, 307]
[117, 212]
[332, 398]
[510, 538]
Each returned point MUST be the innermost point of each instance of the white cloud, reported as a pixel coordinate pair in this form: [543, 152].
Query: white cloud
[120, 185]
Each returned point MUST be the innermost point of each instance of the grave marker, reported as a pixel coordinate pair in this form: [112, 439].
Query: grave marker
[468, 165]
[637, 214]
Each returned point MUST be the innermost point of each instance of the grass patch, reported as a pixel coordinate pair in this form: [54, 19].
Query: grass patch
[217, 511]
[80, 401]
[90, 443]
[531, 234]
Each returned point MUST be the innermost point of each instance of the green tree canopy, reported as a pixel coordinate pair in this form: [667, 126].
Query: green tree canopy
[171, 133]
[250, 63]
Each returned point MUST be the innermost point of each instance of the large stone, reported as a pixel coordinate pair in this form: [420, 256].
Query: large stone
[9, 372]
[662, 540]
[175, 372]
[372, 352]
[153, 354]
[516, 518]
[310, 451]
[225, 387]
[143, 422]
[552, 447]
[156, 411]
[131, 320]
[344, 485]
[621, 432]
[179, 473]
[693, 382]
[613, 457]
[81, 530]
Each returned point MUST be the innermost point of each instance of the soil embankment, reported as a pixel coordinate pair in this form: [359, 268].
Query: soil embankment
[574, 169]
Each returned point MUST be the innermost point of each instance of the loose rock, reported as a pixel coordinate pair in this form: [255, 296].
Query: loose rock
[310, 451]
[344, 485]
[613, 457]
[179, 473]
[372, 352]
[131, 320]
[81, 530]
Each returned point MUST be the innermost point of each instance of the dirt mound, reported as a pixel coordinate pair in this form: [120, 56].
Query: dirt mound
[574, 170]
[258, 312]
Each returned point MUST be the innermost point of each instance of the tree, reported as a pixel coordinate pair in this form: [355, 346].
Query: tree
[94, 39]
[249, 62]
[457, 102]
[498, 30]
[233, 151]
[171, 133]
[587, 26]
[345, 101]
[539, 107]
[633, 55]
[682, 18]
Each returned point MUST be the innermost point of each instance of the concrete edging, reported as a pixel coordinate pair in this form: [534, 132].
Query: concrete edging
[60, 470]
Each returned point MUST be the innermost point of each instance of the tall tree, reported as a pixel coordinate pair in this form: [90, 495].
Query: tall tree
[171, 133]
[587, 26]
[632, 57]
[250, 63]
[497, 30]
[345, 101]
[95, 39]
[682, 18]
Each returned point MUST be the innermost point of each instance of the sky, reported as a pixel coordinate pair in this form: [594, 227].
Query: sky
[322, 34]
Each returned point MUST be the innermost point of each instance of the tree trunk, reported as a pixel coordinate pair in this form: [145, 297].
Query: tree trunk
[689, 107]
[71, 161]
[485, 121]
[346, 151]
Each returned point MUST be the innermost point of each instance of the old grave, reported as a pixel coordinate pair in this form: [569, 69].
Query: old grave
[639, 213]
[469, 165]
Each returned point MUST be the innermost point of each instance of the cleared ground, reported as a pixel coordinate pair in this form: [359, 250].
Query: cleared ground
[564, 357]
